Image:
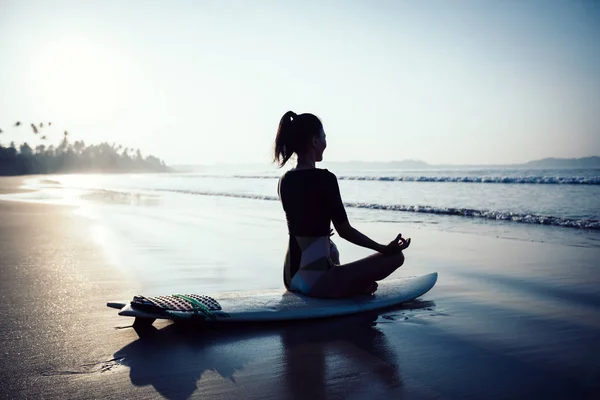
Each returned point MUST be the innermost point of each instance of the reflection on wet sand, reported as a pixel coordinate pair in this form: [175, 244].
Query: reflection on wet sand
[316, 359]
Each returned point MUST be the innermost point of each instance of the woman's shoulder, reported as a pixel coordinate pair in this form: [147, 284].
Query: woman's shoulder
[316, 171]
[303, 175]
[327, 173]
[324, 173]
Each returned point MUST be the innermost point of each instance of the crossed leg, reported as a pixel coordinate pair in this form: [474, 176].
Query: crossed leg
[357, 277]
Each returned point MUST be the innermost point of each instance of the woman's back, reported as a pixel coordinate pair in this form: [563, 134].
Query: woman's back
[311, 200]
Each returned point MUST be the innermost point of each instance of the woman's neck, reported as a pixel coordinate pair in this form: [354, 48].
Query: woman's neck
[305, 161]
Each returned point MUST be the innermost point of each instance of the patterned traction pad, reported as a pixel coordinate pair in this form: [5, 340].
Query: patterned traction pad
[192, 303]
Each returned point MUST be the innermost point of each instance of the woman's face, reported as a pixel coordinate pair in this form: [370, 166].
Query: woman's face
[319, 145]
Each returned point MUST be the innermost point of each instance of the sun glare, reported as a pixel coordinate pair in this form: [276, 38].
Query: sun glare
[77, 77]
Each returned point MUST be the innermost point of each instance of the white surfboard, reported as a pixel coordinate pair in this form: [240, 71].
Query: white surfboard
[270, 305]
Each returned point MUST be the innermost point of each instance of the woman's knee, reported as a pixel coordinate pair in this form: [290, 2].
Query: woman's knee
[388, 265]
[396, 260]
[400, 259]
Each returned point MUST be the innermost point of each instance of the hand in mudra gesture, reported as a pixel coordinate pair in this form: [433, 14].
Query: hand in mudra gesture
[396, 245]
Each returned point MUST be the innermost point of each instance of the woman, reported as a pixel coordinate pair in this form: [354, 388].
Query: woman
[311, 200]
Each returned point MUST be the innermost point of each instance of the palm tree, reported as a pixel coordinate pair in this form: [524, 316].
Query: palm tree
[76, 156]
[78, 146]
[25, 150]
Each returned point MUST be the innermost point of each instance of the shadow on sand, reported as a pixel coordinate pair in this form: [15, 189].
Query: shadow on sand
[303, 358]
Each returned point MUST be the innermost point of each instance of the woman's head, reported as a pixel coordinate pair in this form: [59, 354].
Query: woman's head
[301, 134]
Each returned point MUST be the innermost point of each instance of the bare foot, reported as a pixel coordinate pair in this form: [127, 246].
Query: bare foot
[373, 288]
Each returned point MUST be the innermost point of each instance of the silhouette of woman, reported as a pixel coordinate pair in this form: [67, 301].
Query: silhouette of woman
[311, 200]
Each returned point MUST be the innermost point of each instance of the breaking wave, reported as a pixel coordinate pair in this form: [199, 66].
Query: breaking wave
[459, 212]
[549, 180]
[545, 180]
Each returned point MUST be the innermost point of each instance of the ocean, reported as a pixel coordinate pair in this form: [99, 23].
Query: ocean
[166, 224]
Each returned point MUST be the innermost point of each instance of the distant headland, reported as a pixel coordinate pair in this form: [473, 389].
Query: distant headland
[75, 158]
[592, 162]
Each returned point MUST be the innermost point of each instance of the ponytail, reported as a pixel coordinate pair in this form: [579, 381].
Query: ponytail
[293, 135]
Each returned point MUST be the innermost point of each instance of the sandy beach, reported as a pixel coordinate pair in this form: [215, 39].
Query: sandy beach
[507, 319]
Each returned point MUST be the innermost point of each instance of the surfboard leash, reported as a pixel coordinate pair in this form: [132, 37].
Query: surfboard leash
[196, 305]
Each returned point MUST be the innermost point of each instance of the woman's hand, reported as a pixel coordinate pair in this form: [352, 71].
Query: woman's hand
[396, 245]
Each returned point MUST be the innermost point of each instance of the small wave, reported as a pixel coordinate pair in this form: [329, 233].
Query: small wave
[49, 182]
[460, 212]
[548, 180]
[220, 194]
[119, 197]
[486, 214]
[545, 180]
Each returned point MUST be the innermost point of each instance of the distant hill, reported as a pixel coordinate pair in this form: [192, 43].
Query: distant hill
[561, 163]
[546, 163]
[366, 165]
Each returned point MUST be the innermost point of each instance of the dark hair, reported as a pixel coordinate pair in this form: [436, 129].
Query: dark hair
[293, 135]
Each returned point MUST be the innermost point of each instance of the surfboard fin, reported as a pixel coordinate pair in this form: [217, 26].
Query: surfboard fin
[142, 322]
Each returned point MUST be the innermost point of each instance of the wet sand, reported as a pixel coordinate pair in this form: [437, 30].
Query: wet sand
[507, 319]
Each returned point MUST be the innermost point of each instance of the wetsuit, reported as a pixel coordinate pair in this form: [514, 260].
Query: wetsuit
[311, 201]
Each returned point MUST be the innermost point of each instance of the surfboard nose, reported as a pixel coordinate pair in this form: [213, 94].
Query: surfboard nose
[116, 304]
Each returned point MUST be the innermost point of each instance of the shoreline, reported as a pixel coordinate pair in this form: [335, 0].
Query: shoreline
[11, 184]
[580, 231]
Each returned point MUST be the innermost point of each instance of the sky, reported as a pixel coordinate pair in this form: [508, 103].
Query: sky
[202, 82]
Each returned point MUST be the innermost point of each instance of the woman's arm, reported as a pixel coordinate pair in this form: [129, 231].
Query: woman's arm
[346, 231]
[353, 235]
